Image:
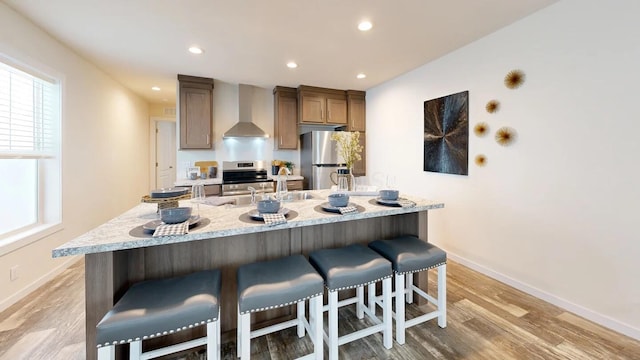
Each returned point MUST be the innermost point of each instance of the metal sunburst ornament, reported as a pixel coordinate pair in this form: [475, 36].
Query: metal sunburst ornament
[492, 106]
[514, 79]
[505, 136]
[481, 160]
[481, 129]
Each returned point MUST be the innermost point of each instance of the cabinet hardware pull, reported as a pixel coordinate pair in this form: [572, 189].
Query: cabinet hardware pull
[208, 136]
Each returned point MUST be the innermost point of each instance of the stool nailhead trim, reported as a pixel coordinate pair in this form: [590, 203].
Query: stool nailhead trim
[118, 342]
[423, 269]
[281, 305]
[359, 285]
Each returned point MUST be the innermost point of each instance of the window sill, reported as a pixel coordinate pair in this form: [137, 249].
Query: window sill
[24, 238]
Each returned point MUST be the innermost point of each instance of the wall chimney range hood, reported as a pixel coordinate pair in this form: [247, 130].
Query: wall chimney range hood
[245, 128]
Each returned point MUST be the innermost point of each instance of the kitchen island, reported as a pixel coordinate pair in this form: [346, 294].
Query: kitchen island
[117, 254]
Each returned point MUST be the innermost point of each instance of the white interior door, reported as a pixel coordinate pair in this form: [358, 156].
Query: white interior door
[165, 154]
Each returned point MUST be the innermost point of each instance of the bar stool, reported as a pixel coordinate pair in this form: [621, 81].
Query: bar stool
[154, 308]
[277, 283]
[350, 267]
[409, 254]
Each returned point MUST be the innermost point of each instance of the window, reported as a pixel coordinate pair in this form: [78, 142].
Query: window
[29, 153]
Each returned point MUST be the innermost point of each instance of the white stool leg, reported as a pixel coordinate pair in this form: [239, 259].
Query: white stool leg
[106, 352]
[371, 289]
[218, 344]
[442, 295]
[212, 340]
[333, 325]
[245, 335]
[409, 281]
[315, 308]
[360, 303]
[386, 313]
[400, 312]
[135, 350]
[239, 334]
[300, 316]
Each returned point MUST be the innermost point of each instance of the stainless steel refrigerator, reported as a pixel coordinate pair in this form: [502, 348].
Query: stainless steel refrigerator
[318, 159]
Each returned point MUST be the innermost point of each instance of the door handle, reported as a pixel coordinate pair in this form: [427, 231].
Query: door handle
[170, 167]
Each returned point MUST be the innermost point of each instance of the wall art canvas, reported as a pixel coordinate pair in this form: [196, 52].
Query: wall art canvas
[446, 134]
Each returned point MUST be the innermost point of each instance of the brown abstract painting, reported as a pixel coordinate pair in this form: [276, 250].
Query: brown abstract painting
[446, 134]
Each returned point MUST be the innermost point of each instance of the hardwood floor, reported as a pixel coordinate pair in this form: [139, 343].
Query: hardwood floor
[486, 320]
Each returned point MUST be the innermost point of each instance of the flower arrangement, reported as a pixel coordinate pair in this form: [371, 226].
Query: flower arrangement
[348, 146]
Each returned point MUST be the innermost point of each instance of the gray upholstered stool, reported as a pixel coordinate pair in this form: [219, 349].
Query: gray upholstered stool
[350, 267]
[272, 284]
[409, 254]
[154, 308]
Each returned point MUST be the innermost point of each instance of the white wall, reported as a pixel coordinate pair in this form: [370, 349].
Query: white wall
[556, 213]
[225, 107]
[105, 149]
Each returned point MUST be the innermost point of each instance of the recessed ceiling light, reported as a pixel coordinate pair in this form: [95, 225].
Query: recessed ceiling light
[365, 26]
[361, 76]
[195, 50]
[292, 65]
[155, 88]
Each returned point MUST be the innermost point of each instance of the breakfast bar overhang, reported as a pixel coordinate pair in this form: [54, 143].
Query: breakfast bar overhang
[116, 256]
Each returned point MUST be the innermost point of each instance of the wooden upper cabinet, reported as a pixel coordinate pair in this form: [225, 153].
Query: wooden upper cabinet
[336, 111]
[321, 106]
[196, 112]
[357, 110]
[312, 108]
[285, 118]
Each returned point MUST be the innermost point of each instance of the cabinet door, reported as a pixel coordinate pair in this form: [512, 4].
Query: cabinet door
[312, 109]
[195, 118]
[212, 190]
[337, 111]
[360, 167]
[286, 121]
[357, 115]
[294, 185]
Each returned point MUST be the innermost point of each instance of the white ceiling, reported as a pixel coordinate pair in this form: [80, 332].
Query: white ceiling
[143, 43]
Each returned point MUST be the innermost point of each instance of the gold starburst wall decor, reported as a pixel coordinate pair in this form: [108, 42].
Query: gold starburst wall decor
[493, 106]
[505, 136]
[514, 79]
[481, 160]
[481, 129]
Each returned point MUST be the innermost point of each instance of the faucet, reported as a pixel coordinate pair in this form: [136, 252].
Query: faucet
[253, 194]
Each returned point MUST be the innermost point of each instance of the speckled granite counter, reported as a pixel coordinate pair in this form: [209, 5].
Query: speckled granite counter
[114, 259]
[114, 235]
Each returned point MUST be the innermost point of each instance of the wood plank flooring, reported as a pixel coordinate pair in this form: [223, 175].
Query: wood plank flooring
[486, 320]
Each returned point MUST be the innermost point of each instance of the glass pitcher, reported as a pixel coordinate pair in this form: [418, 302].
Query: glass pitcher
[344, 179]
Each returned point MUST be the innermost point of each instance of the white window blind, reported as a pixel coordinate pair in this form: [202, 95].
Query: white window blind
[29, 153]
[28, 115]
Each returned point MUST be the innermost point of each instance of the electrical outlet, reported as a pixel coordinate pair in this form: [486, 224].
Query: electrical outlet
[13, 273]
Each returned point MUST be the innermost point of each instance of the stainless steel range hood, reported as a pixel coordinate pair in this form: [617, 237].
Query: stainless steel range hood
[245, 127]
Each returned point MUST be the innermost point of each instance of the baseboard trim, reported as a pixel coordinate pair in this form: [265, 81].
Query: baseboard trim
[588, 314]
[5, 304]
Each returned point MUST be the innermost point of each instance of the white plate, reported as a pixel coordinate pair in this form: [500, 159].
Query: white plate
[255, 215]
[152, 225]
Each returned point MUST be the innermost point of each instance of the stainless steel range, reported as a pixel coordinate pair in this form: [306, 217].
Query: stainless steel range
[238, 176]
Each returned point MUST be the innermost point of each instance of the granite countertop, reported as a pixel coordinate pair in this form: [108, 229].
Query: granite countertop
[187, 182]
[225, 221]
[289, 177]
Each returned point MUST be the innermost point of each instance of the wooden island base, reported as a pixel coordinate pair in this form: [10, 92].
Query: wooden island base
[109, 274]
